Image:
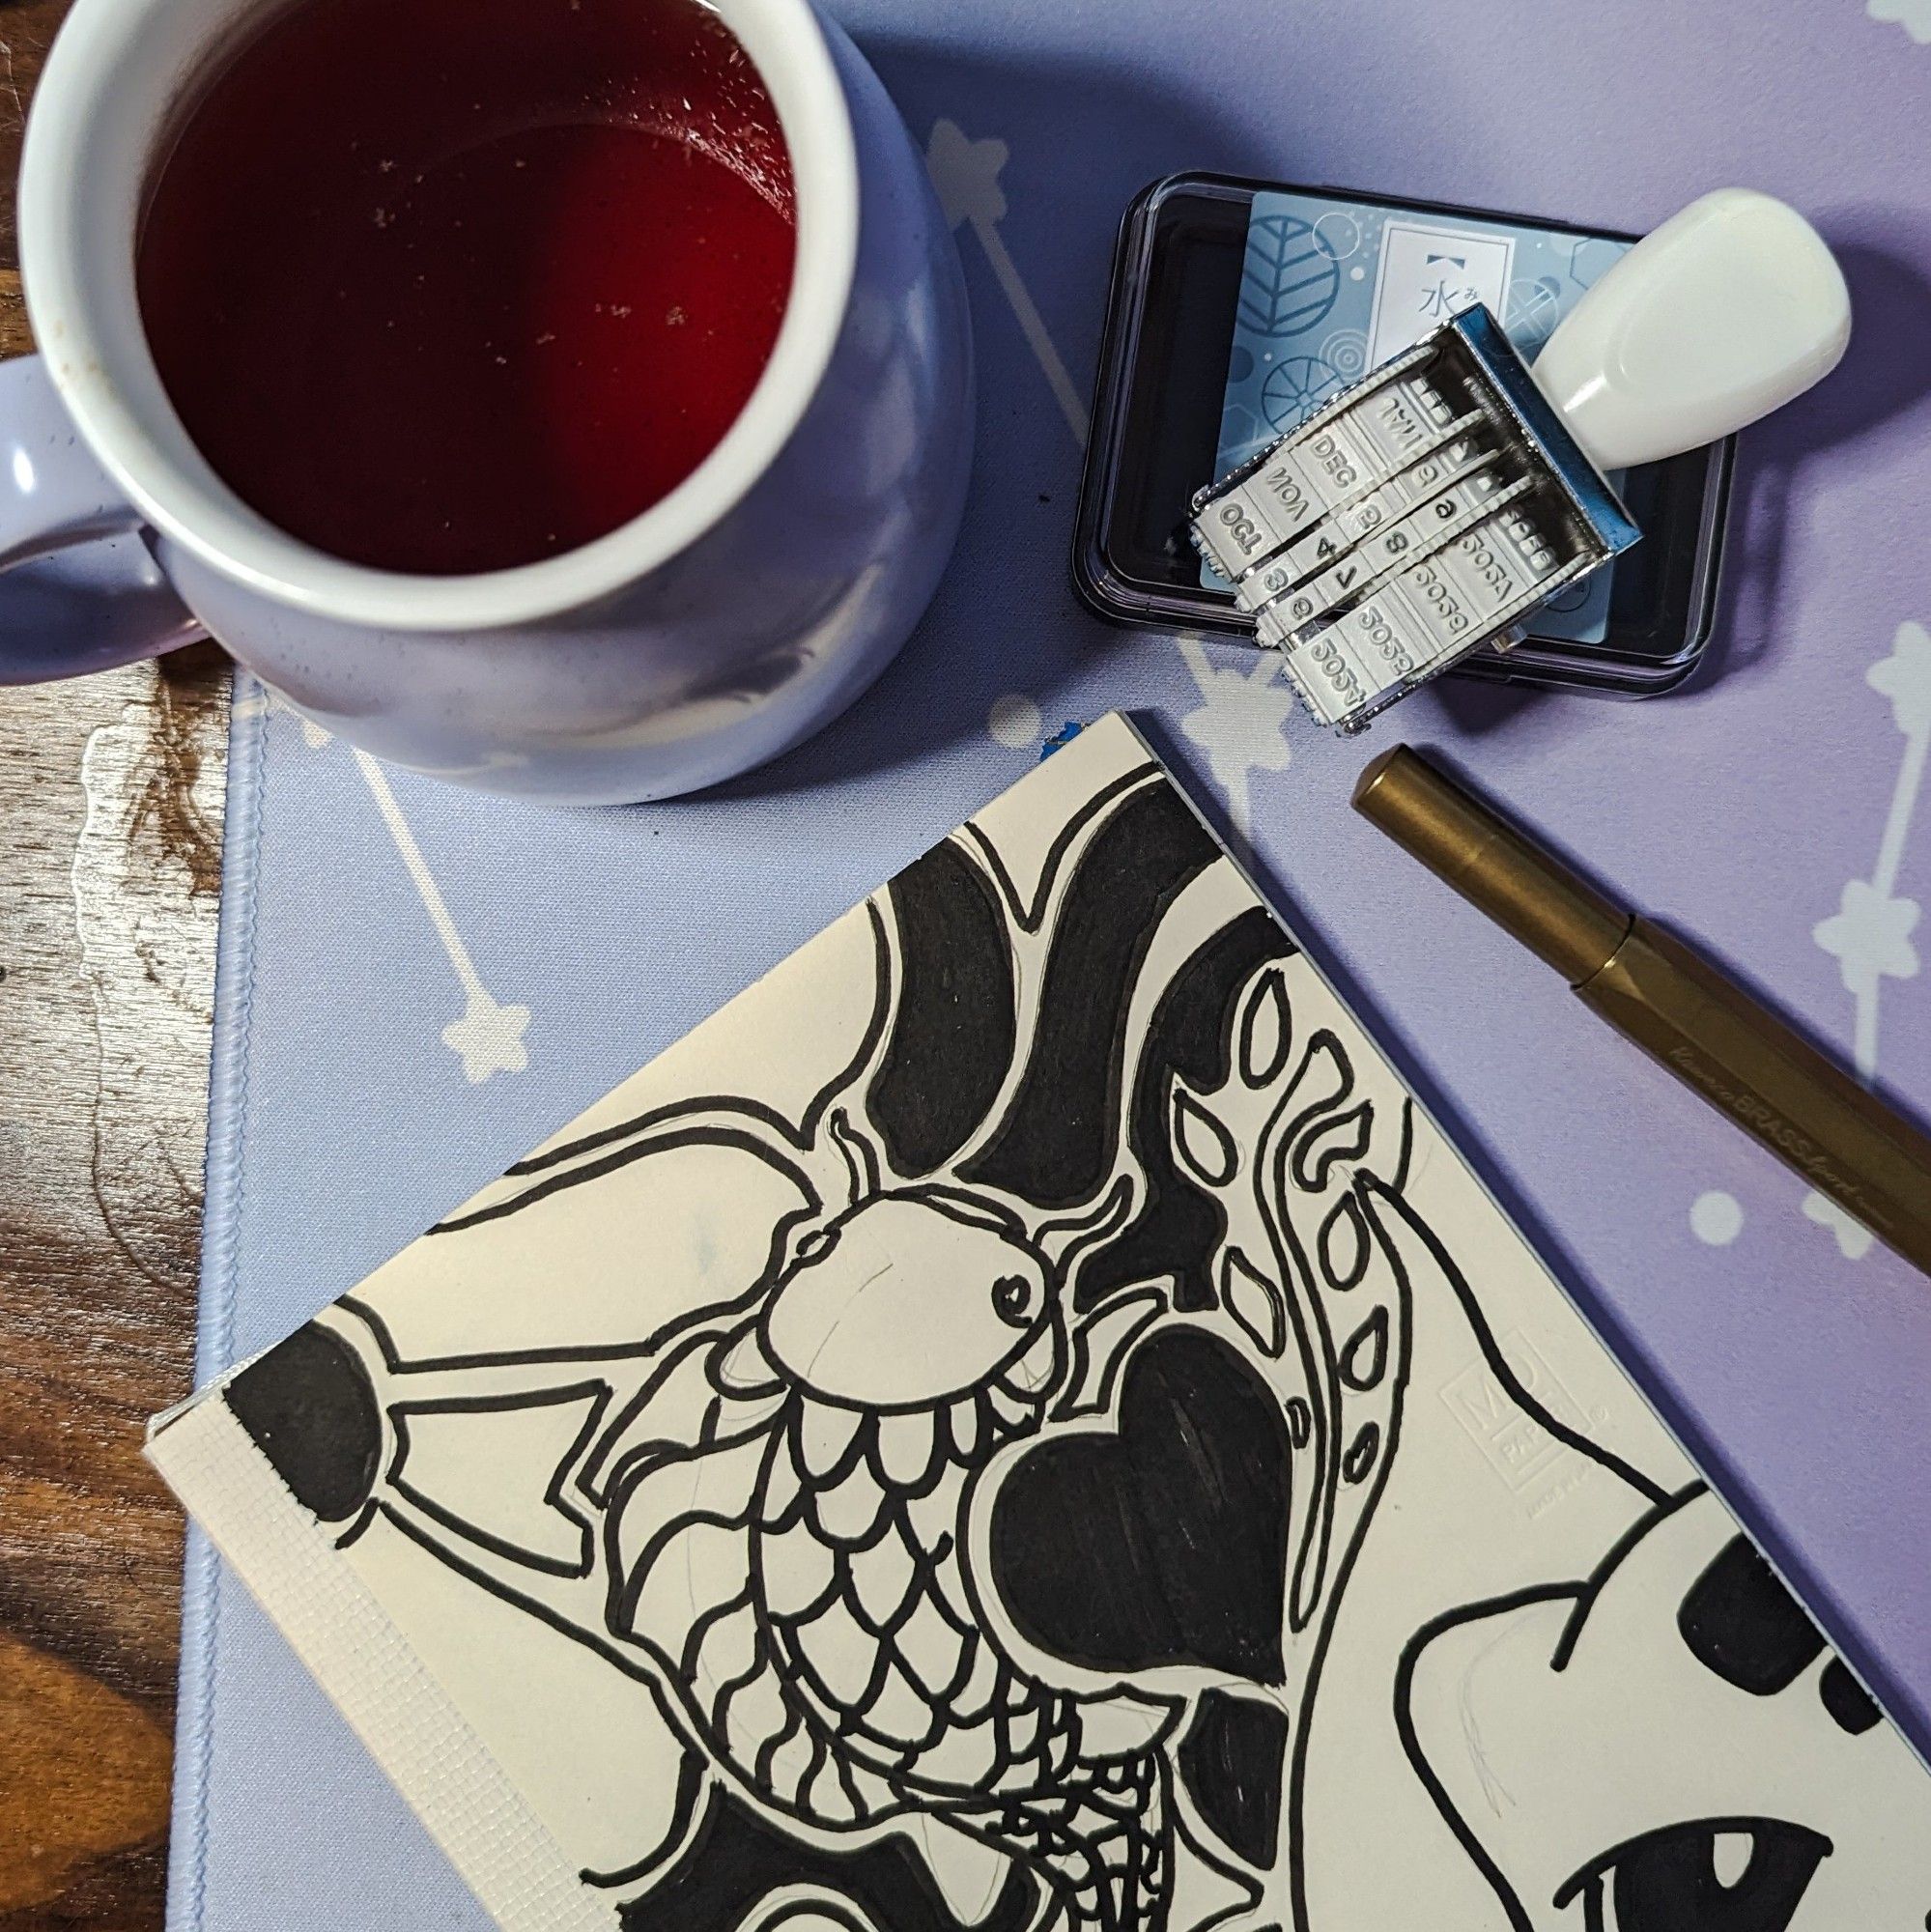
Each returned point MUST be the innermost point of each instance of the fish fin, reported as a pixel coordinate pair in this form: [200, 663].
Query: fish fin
[1125, 1724]
[969, 1873]
[1100, 1348]
[1224, 1897]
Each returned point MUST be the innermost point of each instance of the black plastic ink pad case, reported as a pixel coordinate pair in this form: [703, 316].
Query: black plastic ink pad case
[1175, 316]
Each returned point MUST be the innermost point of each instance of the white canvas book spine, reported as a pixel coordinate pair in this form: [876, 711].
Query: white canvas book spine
[374, 1678]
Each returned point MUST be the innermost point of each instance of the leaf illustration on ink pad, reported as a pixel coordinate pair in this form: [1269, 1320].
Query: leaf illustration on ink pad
[1290, 279]
[1163, 1541]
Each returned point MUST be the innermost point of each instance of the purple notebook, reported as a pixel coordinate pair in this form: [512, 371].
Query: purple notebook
[418, 986]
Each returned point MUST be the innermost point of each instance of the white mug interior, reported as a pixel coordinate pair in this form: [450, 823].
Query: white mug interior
[113, 84]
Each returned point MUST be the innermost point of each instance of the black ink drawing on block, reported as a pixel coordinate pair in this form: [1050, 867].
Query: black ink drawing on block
[1055, 1440]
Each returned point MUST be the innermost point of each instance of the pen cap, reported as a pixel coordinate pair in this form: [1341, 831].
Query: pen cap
[1726, 312]
[1526, 890]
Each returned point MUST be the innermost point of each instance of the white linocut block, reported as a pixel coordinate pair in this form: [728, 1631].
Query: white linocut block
[1020, 1422]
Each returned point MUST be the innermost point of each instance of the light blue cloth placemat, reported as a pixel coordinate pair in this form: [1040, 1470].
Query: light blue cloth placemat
[417, 984]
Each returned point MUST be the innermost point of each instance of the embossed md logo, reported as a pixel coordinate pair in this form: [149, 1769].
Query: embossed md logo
[1512, 1438]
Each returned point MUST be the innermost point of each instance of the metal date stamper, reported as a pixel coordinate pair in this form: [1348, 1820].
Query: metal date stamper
[1431, 506]
[1419, 516]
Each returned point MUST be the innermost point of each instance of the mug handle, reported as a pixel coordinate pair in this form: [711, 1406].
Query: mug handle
[79, 589]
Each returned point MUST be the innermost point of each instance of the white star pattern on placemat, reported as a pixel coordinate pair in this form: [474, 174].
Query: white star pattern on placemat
[1241, 726]
[1913, 16]
[1854, 1239]
[966, 175]
[1717, 1218]
[1240, 722]
[1870, 933]
[1015, 721]
[487, 1035]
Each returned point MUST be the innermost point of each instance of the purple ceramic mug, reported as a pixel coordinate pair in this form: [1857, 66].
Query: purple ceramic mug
[713, 631]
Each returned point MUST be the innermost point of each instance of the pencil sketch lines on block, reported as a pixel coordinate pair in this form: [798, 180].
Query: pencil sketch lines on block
[1682, 1630]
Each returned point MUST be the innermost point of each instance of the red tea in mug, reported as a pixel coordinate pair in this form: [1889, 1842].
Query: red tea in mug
[451, 285]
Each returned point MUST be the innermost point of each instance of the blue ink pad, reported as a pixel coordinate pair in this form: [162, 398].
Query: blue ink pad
[1239, 307]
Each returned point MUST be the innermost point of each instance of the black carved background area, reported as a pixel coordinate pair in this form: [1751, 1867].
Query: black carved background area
[735, 1859]
[1166, 1541]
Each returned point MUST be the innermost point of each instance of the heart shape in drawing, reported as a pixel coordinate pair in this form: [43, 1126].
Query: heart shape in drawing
[1164, 1541]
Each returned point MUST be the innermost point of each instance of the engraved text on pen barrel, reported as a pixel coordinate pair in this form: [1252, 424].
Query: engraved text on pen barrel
[1770, 1125]
[1797, 1103]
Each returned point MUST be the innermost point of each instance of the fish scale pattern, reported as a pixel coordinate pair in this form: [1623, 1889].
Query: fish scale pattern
[869, 1602]
[814, 1595]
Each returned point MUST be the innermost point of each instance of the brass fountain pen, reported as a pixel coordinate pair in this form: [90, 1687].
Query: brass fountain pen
[1680, 1009]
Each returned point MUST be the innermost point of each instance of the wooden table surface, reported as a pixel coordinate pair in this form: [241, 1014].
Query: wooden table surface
[110, 790]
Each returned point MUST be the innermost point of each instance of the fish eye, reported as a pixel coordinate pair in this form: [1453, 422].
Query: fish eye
[1757, 1869]
[1012, 1299]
